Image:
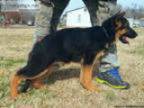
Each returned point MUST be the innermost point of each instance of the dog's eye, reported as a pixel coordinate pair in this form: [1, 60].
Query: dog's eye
[124, 26]
[127, 24]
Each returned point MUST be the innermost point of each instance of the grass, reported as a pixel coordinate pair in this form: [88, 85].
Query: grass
[110, 96]
[64, 89]
[9, 62]
[140, 50]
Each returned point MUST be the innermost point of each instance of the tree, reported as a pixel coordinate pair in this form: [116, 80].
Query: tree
[0, 7]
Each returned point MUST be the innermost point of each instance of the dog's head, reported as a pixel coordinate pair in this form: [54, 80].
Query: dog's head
[120, 25]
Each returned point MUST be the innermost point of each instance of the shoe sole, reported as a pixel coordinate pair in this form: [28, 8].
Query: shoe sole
[107, 83]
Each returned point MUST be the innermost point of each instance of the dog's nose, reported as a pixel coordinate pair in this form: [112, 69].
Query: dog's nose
[132, 33]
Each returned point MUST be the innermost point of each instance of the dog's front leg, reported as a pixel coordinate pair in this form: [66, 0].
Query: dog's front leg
[86, 74]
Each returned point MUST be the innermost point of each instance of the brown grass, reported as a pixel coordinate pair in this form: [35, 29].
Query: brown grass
[64, 89]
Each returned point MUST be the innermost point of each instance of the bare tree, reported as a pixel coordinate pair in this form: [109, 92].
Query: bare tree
[0, 6]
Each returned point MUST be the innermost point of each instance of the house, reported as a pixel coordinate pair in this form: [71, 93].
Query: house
[10, 11]
[27, 9]
[19, 11]
[136, 22]
[80, 18]
[142, 22]
[77, 18]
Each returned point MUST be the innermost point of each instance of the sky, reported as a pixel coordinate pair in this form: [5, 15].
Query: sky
[125, 3]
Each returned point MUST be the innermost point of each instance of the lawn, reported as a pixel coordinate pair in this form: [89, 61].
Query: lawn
[63, 89]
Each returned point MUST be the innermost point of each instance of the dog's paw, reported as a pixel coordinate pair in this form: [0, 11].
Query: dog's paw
[23, 86]
[38, 84]
[92, 88]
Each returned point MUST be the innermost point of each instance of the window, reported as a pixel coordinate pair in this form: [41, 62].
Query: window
[79, 18]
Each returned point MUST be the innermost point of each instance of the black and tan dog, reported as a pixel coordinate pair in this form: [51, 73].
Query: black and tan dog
[74, 44]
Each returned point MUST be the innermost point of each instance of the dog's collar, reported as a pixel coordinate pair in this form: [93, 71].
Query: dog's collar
[106, 33]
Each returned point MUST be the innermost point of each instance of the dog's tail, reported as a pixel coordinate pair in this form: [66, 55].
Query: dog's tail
[26, 71]
[36, 64]
[38, 61]
[31, 71]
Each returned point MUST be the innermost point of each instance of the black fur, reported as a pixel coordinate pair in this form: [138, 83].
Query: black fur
[71, 44]
[65, 45]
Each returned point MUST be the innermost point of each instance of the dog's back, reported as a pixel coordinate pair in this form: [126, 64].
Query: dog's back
[75, 42]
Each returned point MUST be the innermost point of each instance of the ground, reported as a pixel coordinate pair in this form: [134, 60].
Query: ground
[63, 89]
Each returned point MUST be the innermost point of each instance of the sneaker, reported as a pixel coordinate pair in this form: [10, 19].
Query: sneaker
[112, 78]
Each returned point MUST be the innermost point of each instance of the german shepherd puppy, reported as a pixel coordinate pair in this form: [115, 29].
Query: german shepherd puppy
[83, 45]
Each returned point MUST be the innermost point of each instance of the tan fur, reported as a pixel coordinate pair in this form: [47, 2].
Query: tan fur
[119, 33]
[86, 78]
[86, 74]
[36, 81]
[14, 83]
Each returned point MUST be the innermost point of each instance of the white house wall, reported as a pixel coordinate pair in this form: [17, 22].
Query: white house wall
[78, 18]
[131, 21]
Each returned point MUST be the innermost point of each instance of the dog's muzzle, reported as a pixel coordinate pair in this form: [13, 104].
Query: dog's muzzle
[130, 34]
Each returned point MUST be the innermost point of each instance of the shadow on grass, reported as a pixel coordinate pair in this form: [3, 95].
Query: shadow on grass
[64, 74]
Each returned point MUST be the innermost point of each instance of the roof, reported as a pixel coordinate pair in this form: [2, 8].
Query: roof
[74, 10]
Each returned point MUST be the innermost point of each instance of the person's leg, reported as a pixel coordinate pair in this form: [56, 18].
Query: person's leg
[59, 7]
[42, 22]
[109, 70]
[92, 6]
[48, 17]
[109, 64]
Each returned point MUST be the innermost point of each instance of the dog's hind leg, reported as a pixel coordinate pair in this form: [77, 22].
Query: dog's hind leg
[32, 71]
[38, 82]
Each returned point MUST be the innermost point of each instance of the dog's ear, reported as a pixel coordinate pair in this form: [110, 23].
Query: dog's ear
[118, 16]
[120, 13]
[117, 19]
